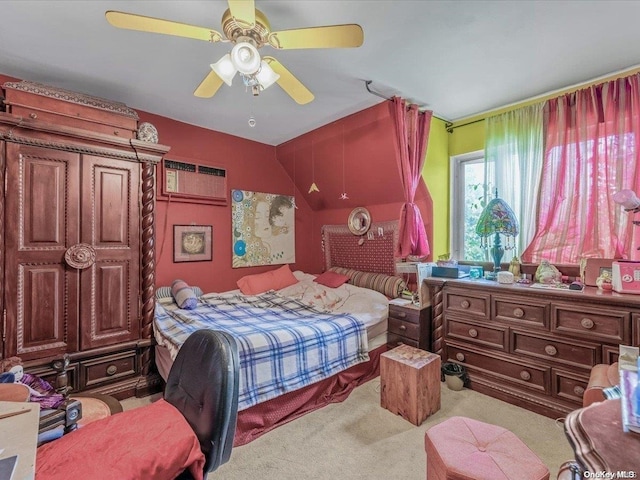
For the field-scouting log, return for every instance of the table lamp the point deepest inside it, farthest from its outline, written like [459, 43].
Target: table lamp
[497, 219]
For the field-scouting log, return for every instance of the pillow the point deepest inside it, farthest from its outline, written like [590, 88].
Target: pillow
[263, 282]
[331, 279]
[388, 285]
[165, 292]
[183, 295]
[154, 441]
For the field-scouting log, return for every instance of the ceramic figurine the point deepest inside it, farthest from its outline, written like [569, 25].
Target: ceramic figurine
[514, 267]
[604, 281]
[547, 273]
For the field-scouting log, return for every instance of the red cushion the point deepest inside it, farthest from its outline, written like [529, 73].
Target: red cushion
[263, 282]
[154, 441]
[331, 279]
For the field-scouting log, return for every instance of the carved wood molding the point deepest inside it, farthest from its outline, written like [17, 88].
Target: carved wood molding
[132, 156]
[2, 249]
[73, 97]
[147, 259]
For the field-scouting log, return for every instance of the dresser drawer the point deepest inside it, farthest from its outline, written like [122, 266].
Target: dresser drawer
[106, 369]
[404, 328]
[487, 335]
[520, 373]
[464, 302]
[406, 314]
[521, 311]
[568, 386]
[576, 353]
[604, 325]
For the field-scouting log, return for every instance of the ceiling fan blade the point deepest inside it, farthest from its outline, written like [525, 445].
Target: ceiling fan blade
[244, 11]
[333, 36]
[141, 23]
[209, 86]
[289, 83]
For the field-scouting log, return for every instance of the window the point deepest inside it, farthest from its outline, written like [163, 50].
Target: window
[467, 202]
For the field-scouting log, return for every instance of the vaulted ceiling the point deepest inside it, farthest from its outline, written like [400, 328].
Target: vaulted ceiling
[456, 57]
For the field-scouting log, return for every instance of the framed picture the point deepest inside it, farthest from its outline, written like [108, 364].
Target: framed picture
[192, 243]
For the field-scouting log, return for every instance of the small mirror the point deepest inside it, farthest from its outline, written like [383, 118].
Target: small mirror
[359, 221]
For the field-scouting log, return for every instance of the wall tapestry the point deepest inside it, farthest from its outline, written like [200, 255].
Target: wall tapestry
[262, 228]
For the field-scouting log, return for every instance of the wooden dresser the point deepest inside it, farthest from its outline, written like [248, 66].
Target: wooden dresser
[528, 346]
[77, 241]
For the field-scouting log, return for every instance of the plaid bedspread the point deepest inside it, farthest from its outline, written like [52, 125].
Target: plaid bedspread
[283, 344]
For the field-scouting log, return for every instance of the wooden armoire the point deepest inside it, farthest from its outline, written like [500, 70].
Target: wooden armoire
[77, 243]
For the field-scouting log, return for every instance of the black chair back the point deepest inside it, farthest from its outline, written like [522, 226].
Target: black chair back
[203, 385]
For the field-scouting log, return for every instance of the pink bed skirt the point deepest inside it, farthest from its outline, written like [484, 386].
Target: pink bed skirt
[259, 419]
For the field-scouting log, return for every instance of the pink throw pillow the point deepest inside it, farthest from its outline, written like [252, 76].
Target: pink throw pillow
[263, 282]
[331, 279]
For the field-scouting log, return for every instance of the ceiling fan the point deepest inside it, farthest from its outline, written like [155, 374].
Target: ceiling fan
[249, 30]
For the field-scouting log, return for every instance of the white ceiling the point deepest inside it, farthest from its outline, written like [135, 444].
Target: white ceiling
[457, 58]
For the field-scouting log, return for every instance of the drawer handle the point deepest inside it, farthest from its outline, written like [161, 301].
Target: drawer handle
[33, 115]
[578, 390]
[465, 304]
[518, 313]
[111, 370]
[402, 314]
[116, 132]
[524, 375]
[473, 332]
[402, 327]
[551, 350]
[587, 323]
[460, 357]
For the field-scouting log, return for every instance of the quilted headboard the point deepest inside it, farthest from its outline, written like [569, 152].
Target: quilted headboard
[372, 252]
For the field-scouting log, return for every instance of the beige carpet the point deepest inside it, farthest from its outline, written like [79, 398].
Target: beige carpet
[357, 439]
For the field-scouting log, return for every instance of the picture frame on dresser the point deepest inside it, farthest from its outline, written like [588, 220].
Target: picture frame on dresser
[192, 243]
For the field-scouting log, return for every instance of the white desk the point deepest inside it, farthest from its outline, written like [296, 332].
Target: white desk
[19, 436]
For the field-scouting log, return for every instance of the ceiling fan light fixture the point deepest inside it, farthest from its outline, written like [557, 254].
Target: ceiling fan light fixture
[245, 58]
[266, 76]
[225, 69]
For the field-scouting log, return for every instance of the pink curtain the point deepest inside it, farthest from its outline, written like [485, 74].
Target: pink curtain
[412, 133]
[591, 152]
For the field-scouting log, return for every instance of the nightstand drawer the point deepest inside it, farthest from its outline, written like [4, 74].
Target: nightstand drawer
[407, 314]
[579, 354]
[596, 323]
[524, 312]
[465, 303]
[404, 328]
[485, 335]
[393, 340]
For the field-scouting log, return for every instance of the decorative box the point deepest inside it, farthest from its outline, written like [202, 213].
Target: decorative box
[460, 271]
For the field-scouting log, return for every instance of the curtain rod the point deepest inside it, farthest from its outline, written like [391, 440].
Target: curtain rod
[447, 123]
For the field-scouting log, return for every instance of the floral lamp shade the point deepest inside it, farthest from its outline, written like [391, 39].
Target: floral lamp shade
[497, 219]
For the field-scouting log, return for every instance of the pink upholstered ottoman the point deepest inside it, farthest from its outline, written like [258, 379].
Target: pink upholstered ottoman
[465, 449]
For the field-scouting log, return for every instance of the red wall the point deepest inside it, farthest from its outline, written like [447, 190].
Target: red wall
[355, 154]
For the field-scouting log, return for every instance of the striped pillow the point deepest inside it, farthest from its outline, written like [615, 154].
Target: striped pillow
[183, 295]
[165, 292]
[388, 285]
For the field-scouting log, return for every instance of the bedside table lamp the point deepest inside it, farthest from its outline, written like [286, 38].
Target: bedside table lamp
[497, 219]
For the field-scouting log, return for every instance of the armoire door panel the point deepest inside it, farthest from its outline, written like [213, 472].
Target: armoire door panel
[112, 317]
[41, 211]
[110, 212]
[43, 318]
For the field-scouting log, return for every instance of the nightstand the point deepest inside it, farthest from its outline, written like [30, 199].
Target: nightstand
[409, 325]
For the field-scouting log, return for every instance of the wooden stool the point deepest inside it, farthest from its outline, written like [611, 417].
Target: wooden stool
[462, 448]
[410, 383]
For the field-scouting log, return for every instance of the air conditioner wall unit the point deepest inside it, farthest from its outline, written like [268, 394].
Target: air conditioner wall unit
[193, 183]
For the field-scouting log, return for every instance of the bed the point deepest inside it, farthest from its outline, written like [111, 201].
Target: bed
[301, 347]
